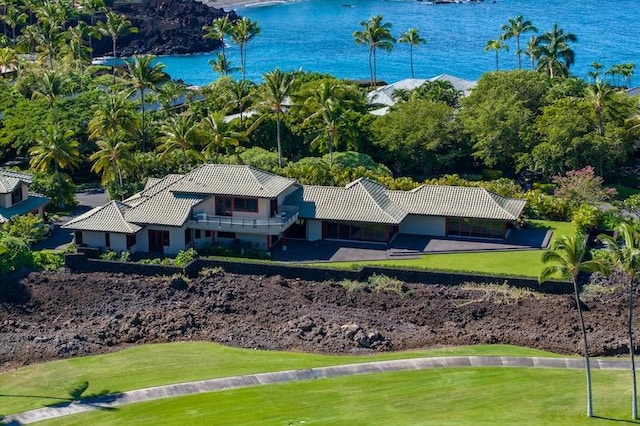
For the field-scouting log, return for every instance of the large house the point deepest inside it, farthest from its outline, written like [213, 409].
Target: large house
[219, 203]
[15, 198]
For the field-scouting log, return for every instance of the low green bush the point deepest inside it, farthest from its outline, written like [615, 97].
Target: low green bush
[185, 256]
[48, 260]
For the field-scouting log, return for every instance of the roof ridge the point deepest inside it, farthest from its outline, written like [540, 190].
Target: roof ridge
[366, 190]
[491, 195]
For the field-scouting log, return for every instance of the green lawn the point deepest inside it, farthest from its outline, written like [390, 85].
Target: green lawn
[478, 396]
[152, 365]
[526, 263]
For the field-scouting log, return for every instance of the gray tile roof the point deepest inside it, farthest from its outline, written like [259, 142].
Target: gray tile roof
[107, 218]
[164, 208]
[25, 206]
[231, 179]
[10, 180]
[153, 186]
[457, 201]
[359, 201]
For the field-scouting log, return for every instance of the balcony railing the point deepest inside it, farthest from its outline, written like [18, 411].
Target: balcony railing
[279, 221]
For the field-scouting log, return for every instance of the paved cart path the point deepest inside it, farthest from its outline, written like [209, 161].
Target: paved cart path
[235, 382]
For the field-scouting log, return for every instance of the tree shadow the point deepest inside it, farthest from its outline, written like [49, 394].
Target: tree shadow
[611, 419]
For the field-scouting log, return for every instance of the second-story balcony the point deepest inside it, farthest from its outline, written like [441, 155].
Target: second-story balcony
[266, 226]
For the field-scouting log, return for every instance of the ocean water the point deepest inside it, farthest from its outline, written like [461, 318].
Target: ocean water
[317, 35]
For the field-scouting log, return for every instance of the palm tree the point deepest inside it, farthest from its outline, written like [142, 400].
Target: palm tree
[143, 75]
[275, 90]
[221, 64]
[219, 135]
[113, 156]
[114, 113]
[49, 31]
[48, 85]
[566, 258]
[115, 27]
[413, 39]
[555, 57]
[8, 59]
[239, 96]
[627, 259]
[169, 93]
[599, 96]
[376, 35]
[515, 28]
[92, 7]
[243, 32]
[219, 29]
[496, 45]
[594, 74]
[326, 106]
[181, 133]
[76, 45]
[14, 17]
[54, 147]
[533, 50]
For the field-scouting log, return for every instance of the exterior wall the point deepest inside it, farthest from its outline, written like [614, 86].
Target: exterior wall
[176, 239]
[5, 200]
[285, 194]
[93, 239]
[314, 230]
[424, 225]
[118, 242]
[208, 206]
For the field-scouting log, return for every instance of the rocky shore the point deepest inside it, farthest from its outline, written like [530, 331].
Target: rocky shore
[166, 27]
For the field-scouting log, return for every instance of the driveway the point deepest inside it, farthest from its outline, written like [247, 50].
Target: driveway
[60, 238]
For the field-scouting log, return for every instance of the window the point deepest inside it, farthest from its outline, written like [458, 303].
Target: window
[187, 236]
[226, 234]
[107, 239]
[225, 206]
[78, 238]
[131, 240]
[198, 234]
[475, 227]
[207, 234]
[16, 195]
[356, 231]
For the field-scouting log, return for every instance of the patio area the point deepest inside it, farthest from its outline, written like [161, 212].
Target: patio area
[406, 246]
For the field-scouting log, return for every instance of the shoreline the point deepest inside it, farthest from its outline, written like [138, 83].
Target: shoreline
[229, 5]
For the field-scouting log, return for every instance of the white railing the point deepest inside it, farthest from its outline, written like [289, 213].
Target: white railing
[282, 220]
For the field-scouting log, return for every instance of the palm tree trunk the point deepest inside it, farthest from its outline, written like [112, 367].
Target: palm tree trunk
[497, 69]
[518, 51]
[585, 343]
[371, 66]
[113, 39]
[375, 71]
[278, 138]
[330, 149]
[142, 128]
[634, 388]
[411, 58]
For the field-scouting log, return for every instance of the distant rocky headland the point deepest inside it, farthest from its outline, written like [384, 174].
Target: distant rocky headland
[166, 27]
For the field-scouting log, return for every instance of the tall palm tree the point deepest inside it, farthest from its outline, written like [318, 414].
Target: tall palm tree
[113, 156]
[599, 95]
[413, 39]
[180, 133]
[533, 50]
[92, 7]
[219, 135]
[219, 29]
[76, 46]
[514, 29]
[49, 32]
[169, 93]
[243, 32]
[143, 75]
[8, 59]
[596, 69]
[275, 90]
[376, 35]
[496, 45]
[567, 258]
[555, 57]
[14, 17]
[114, 113]
[116, 26]
[627, 259]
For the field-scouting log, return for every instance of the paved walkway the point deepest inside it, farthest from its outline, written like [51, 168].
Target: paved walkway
[213, 385]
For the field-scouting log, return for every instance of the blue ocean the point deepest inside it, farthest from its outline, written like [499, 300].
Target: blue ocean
[317, 35]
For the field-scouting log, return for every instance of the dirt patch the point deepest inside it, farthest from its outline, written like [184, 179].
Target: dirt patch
[52, 315]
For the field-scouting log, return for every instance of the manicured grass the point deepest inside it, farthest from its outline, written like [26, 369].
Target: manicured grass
[525, 263]
[479, 396]
[152, 365]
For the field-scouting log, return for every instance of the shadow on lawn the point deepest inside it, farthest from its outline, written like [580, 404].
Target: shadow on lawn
[611, 419]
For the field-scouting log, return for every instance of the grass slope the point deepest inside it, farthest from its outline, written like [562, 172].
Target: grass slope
[526, 263]
[479, 396]
[153, 365]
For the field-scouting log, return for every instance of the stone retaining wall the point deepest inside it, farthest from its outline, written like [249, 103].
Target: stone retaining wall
[81, 263]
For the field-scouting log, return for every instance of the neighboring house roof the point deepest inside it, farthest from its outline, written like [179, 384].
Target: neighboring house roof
[34, 201]
[107, 218]
[457, 201]
[385, 95]
[634, 91]
[232, 179]
[11, 180]
[359, 201]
